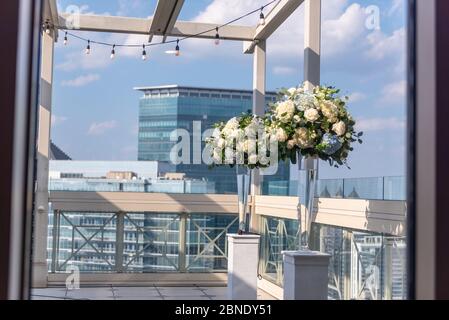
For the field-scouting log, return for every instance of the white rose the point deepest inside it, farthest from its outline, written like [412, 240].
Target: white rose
[303, 139]
[217, 156]
[292, 91]
[285, 111]
[330, 111]
[216, 133]
[297, 118]
[280, 134]
[291, 144]
[232, 124]
[252, 159]
[221, 143]
[339, 128]
[312, 115]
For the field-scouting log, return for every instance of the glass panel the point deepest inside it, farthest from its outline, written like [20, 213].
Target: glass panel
[151, 242]
[277, 235]
[379, 188]
[364, 265]
[83, 241]
[206, 247]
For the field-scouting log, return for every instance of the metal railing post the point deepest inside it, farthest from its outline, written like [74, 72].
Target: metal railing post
[182, 242]
[120, 235]
[55, 235]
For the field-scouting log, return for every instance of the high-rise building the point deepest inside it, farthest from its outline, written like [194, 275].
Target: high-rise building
[166, 108]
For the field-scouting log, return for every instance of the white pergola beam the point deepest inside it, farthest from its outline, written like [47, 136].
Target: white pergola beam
[50, 14]
[273, 20]
[312, 43]
[165, 17]
[181, 29]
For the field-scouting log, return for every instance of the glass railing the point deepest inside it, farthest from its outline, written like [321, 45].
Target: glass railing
[138, 242]
[379, 188]
[364, 265]
[149, 186]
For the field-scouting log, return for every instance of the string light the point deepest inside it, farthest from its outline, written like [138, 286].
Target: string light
[262, 17]
[144, 53]
[217, 38]
[88, 47]
[47, 27]
[113, 52]
[177, 50]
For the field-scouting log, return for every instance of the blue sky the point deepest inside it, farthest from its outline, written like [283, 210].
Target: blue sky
[95, 110]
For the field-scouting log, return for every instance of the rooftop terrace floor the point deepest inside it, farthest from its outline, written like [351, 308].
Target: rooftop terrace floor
[137, 293]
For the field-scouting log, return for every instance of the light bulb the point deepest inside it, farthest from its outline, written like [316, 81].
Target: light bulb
[217, 38]
[262, 19]
[177, 50]
[144, 54]
[113, 52]
[47, 27]
[88, 47]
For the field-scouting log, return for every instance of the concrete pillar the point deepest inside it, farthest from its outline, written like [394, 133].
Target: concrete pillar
[39, 276]
[243, 259]
[306, 275]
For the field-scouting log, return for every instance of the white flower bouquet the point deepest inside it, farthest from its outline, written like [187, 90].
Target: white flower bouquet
[316, 123]
[240, 141]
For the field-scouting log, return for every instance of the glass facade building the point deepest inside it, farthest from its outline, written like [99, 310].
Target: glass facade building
[164, 109]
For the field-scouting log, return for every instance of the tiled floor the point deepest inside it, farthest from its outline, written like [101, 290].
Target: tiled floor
[137, 293]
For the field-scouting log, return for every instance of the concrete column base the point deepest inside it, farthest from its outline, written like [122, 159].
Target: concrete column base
[39, 275]
[306, 275]
[243, 259]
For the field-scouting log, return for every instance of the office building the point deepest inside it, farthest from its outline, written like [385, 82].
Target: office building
[166, 108]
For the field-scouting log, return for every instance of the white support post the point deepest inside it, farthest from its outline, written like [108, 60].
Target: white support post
[312, 43]
[39, 279]
[259, 104]
[305, 271]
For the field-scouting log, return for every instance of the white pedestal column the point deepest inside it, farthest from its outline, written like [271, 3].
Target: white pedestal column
[305, 275]
[243, 258]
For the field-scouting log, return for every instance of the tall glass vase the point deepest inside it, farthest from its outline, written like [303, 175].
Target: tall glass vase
[243, 185]
[309, 166]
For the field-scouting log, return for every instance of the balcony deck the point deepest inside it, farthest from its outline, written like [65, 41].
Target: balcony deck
[137, 293]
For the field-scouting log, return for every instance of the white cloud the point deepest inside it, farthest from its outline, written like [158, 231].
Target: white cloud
[81, 80]
[99, 128]
[397, 6]
[283, 70]
[57, 120]
[357, 97]
[394, 92]
[341, 33]
[380, 124]
[383, 45]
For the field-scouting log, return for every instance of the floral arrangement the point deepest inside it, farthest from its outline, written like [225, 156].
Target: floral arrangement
[315, 123]
[239, 141]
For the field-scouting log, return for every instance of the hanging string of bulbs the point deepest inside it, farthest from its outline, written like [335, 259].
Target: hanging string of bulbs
[176, 52]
